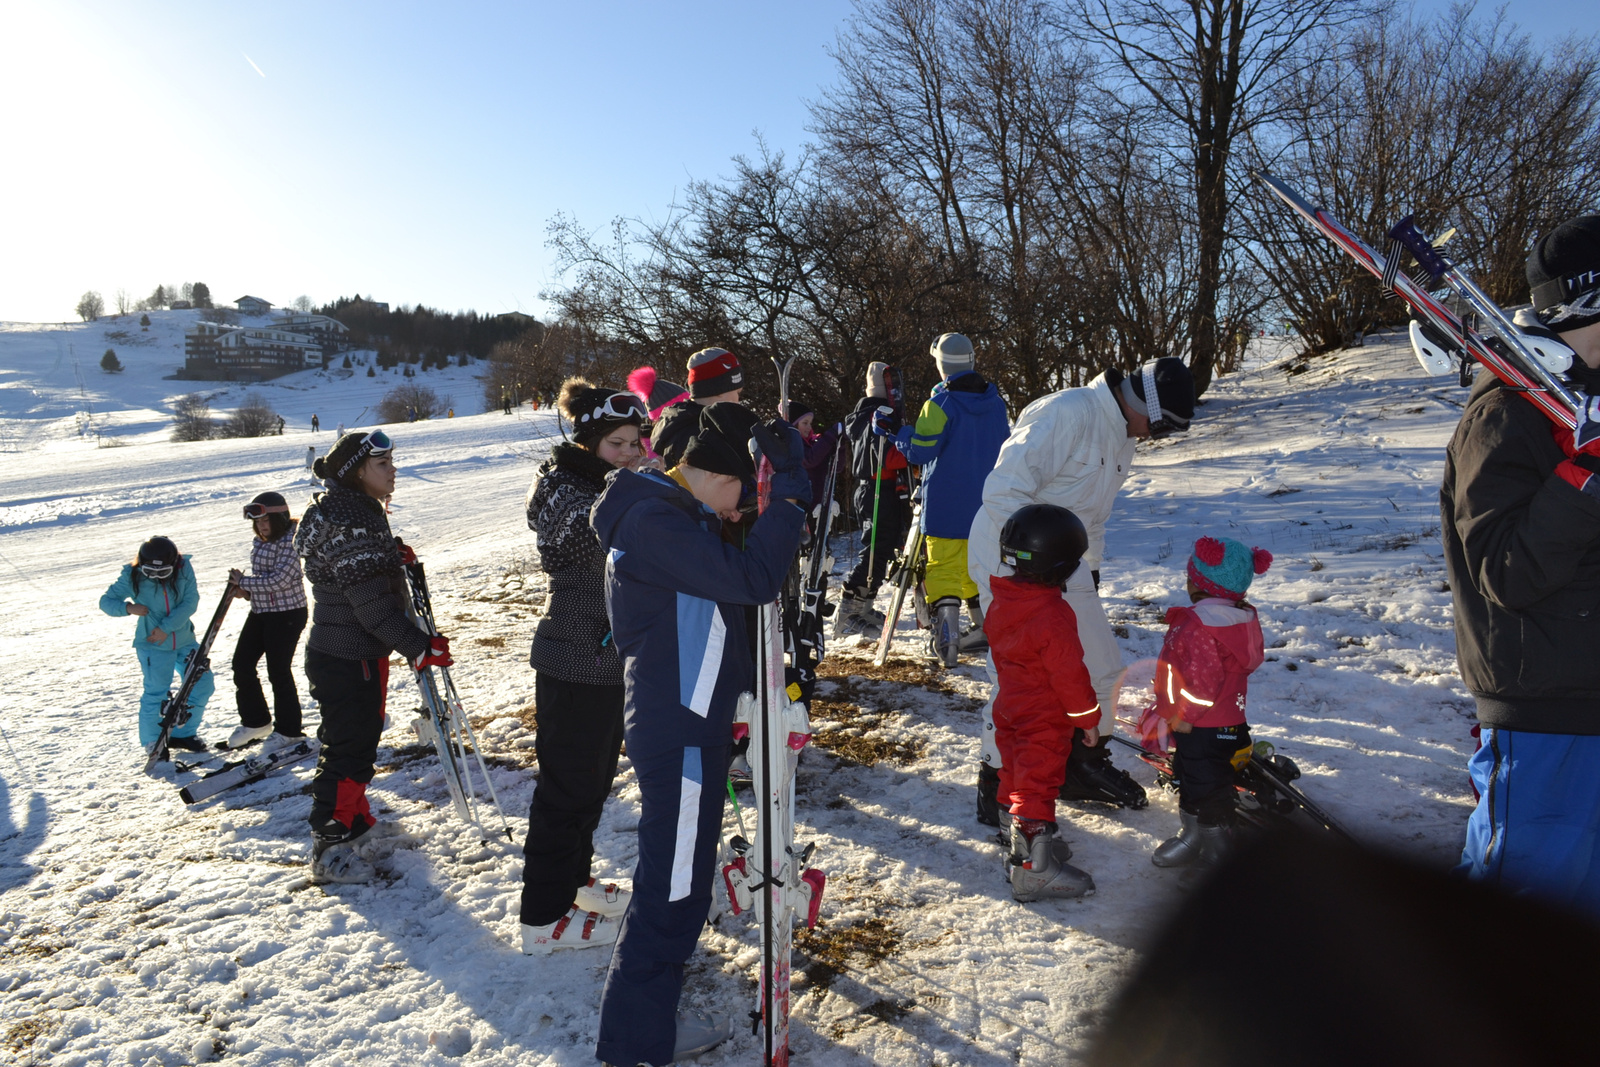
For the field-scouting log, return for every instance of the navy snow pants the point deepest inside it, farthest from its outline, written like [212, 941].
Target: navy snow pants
[681, 797]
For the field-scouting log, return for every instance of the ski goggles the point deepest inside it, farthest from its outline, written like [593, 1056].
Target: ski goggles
[255, 511]
[376, 443]
[618, 407]
[156, 570]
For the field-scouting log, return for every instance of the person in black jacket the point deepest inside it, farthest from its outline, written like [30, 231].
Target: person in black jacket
[358, 589]
[1521, 520]
[715, 377]
[883, 484]
[578, 687]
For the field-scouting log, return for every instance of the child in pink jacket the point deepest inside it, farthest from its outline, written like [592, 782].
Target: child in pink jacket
[1201, 681]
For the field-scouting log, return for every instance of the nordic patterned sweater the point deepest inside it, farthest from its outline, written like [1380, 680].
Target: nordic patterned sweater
[274, 582]
[573, 640]
[357, 585]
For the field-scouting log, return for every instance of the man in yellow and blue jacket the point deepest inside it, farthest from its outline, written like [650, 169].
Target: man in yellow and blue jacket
[955, 440]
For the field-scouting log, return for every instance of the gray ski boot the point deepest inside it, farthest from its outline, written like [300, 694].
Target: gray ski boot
[1216, 844]
[974, 640]
[1036, 871]
[1183, 850]
[946, 638]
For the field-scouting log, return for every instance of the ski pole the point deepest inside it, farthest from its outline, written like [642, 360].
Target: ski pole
[877, 491]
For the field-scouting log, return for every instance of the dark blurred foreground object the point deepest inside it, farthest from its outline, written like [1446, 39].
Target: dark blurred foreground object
[1306, 951]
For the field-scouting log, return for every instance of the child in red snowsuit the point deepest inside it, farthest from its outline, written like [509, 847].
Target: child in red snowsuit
[1201, 682]
[1045, 693]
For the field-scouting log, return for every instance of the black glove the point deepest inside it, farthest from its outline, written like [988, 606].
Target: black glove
[780, 444]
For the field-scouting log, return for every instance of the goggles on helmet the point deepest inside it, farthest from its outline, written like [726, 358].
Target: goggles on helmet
[376, 443]
[254, 511]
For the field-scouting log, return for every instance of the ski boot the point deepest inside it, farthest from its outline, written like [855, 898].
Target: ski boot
[857, 615]
[1216, 844]
[244, 735]
[576, 929]
[1092, 776]
[945, 639]
[974, 639]
[1183, 850]
[988, 796]
[337, 862]
[606, 898]
[1034, 865]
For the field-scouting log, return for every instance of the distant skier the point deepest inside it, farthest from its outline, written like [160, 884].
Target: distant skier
[338, 434]
[314, 426]
[882, 496]
[1202, 679]
[955, 440]
[1521, 511]
[1044, 693]
[354, 565]
[280, 425]
[311, 455]
[676, 593]
[1074, 449]
[277, 596]
[159, 587]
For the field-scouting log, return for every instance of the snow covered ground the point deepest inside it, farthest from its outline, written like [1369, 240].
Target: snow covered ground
[135, 930]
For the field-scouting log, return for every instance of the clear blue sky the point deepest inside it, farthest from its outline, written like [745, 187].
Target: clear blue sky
[412, 152]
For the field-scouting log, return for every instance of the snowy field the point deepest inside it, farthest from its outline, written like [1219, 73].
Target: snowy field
[134, 930]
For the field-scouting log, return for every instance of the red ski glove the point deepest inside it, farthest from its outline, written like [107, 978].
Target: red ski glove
[438, 654]
[407, 556]
[1582, 447]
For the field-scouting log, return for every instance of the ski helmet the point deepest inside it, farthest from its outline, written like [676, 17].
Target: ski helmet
[158, 557]
[1043, 543]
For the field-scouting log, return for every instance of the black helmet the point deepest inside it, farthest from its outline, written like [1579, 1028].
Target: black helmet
[1043, 543]
[158, 557]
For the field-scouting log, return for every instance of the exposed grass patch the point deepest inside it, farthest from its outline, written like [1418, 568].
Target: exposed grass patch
[35, 947]
[854, 739]
[898, 669]
[20, 1035]
[490, 642]
[831, 951]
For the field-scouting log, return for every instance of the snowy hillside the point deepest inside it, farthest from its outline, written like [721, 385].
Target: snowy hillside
[135, 930]
[53, 393]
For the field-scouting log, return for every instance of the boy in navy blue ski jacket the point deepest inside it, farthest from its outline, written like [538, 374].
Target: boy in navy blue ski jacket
[676, 594]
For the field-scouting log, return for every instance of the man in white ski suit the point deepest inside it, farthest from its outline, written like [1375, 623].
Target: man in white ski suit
[1075, 449]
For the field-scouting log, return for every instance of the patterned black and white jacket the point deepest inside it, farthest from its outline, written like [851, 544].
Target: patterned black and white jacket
[573, 640]
[358, 588]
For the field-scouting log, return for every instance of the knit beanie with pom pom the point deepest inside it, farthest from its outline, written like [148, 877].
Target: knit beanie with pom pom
[1225, 568]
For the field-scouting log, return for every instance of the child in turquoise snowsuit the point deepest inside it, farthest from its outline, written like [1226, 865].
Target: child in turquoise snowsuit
[163, 639]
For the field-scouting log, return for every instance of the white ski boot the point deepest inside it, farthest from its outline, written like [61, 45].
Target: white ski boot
[243, 735]
[1183, 850]
[576, 929]
[606, 898]
[1036, 873]
[336, 862]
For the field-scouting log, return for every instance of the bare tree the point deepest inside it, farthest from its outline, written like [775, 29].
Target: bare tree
[191, 418]
[302, 303]
[124, 302]
[1210, 71]
[408, 402]
[90, 306]
[253, 417]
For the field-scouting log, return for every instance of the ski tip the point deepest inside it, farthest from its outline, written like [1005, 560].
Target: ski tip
[185, 795]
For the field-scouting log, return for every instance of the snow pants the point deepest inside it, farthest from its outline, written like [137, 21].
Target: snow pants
[880, 542]
[681, 796]
[947, 570]
[1033, 750]
[1536, 828]
[578, 742]
[351, 693]
[1204, 769]
[273, 634]
[1100, 654]
[160, 666]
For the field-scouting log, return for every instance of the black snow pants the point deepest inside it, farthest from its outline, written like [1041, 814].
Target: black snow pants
[578, 743]
[1204, 766]
[273, 634]
[351, 694]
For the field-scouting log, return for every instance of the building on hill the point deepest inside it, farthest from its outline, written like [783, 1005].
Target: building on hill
[181, 305]
[253, 305]
[230, 353]
[333, 334]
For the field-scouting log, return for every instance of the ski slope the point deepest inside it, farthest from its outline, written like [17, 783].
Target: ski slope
[135, 930]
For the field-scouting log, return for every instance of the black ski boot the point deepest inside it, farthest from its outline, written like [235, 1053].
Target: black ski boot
[1092, 776]
[988, 795]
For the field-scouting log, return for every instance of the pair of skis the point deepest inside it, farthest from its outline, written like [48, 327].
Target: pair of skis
[252, 768]
[175, 709]
[906, 571]
[770, 874]
[442, 721]
[1529, 364]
